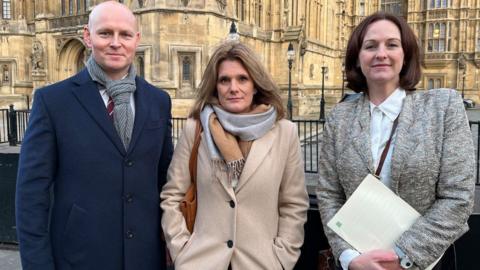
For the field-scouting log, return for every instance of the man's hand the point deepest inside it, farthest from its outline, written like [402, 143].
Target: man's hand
[376, 260]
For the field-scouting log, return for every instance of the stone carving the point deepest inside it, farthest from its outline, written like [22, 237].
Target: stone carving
[221, 5]
[59, 43]
[185, 2]
[37, 56]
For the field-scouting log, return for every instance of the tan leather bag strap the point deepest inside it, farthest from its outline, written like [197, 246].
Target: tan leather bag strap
[192, 165]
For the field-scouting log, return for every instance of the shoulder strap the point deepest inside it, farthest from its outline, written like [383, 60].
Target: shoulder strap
[385, 150]
[192, 165]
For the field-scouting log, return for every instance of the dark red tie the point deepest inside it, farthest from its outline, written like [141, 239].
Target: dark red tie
[110, 106]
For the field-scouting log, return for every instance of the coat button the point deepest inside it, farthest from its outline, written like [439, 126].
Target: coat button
[130, 234]
[129, 163]
[232, 204]
[129, 198]
[229, 243]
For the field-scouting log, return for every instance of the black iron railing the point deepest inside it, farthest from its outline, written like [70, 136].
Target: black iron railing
[3, 125]
[14, 122]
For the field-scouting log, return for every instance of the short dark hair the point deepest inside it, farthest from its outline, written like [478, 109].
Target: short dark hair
[411, 70]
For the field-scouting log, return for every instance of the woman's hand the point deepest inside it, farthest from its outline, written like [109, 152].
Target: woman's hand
[376, 260]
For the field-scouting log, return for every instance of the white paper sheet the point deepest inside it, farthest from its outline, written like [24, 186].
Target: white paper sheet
[373, 217]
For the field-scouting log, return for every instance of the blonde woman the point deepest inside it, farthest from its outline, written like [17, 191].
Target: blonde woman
[252, 199]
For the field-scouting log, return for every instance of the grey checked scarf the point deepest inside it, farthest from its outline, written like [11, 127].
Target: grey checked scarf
[120, 91]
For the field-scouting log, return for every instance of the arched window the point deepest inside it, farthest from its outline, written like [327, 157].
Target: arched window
[439, 4]
[258, 13]
[393, 6]
[186, 72]
[430, 84]
[435, 83]
[361, 10]
[6, 9]
[478, 39]
[63, 7]
[5, 74]
[186, 66]
[140, 65]
[438, 38]
[240, 9]
[70, 7]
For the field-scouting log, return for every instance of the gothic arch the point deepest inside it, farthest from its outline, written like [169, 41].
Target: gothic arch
[71, 58]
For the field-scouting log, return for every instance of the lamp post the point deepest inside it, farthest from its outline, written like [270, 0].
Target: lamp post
[463, 84]
[290, 57]
[233, 34]
[343, 80]
[322, 100]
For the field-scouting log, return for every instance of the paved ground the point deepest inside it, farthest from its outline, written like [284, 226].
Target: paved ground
[9, 259]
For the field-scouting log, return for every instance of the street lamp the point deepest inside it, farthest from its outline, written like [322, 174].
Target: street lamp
[322, 100]
[463, 84]
[233, 34]
[290, 57]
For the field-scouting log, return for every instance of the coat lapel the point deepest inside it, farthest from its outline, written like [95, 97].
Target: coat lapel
[406, 138]
[141, 112]
[86, 91]
[361, 133]
[258, 152]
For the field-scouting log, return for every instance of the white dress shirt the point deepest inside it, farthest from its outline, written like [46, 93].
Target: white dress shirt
[381, 123]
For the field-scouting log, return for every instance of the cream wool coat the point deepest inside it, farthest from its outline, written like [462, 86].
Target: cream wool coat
[258, 226]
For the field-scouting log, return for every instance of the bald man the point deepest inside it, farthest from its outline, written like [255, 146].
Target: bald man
[94, 158]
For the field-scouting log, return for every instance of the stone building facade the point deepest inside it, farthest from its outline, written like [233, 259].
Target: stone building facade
[41, 43]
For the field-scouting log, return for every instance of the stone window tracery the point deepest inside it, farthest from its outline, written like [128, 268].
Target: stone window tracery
[6, 9]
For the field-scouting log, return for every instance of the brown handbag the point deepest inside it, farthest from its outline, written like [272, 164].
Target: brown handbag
[188, 206]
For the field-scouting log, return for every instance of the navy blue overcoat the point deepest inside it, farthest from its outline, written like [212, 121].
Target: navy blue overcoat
[82, 200]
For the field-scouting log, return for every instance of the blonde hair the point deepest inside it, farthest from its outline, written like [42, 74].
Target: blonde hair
[267, 91]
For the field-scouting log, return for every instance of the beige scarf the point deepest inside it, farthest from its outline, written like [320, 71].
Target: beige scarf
[233, 150]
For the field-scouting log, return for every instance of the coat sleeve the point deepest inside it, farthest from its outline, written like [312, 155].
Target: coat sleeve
[178, 181]
[293, 204]
[446, 219]
[36, 171]
[330, 193]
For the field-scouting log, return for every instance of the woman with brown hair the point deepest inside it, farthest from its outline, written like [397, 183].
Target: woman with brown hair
[252, 199]
[418, 144]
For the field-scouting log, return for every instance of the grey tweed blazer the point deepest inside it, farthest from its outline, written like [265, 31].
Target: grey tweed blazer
[432, 168]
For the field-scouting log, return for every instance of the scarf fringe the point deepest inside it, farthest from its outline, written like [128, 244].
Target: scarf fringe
[233, 169]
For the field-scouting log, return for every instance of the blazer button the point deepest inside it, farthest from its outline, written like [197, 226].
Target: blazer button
[129, 198]
[130, 234]
[232, 204]
[229, 243]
